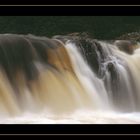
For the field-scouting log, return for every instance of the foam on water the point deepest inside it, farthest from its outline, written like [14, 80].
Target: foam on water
[79, 117]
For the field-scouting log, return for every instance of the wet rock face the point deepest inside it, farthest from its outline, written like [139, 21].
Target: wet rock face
[89, 48]
[85, 45]
[126, 46]
[91, 55]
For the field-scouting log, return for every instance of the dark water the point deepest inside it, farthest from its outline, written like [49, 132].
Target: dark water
[100, 27]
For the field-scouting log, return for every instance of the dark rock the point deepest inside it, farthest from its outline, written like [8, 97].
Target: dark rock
[126, 46]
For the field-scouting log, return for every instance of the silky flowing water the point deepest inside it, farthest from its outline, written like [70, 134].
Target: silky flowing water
[68, 80]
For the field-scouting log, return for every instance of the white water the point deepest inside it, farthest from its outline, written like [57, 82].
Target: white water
[94, 86]
[128, 71]
[79, 117]
[101, 111]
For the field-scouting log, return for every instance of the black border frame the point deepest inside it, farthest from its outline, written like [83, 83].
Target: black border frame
[70, 10]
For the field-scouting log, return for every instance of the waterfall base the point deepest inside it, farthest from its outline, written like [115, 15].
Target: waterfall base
[79, 117]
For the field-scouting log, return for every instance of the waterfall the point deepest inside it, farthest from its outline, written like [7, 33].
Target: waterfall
[67, 74]
[92, 84]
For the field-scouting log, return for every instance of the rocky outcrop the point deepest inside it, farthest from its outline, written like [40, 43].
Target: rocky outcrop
[126, 46]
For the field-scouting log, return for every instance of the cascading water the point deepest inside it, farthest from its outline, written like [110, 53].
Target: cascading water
[93, 85]
[118, 73]
[68, 79]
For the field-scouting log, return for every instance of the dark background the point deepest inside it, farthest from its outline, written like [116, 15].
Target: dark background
[100, 27]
